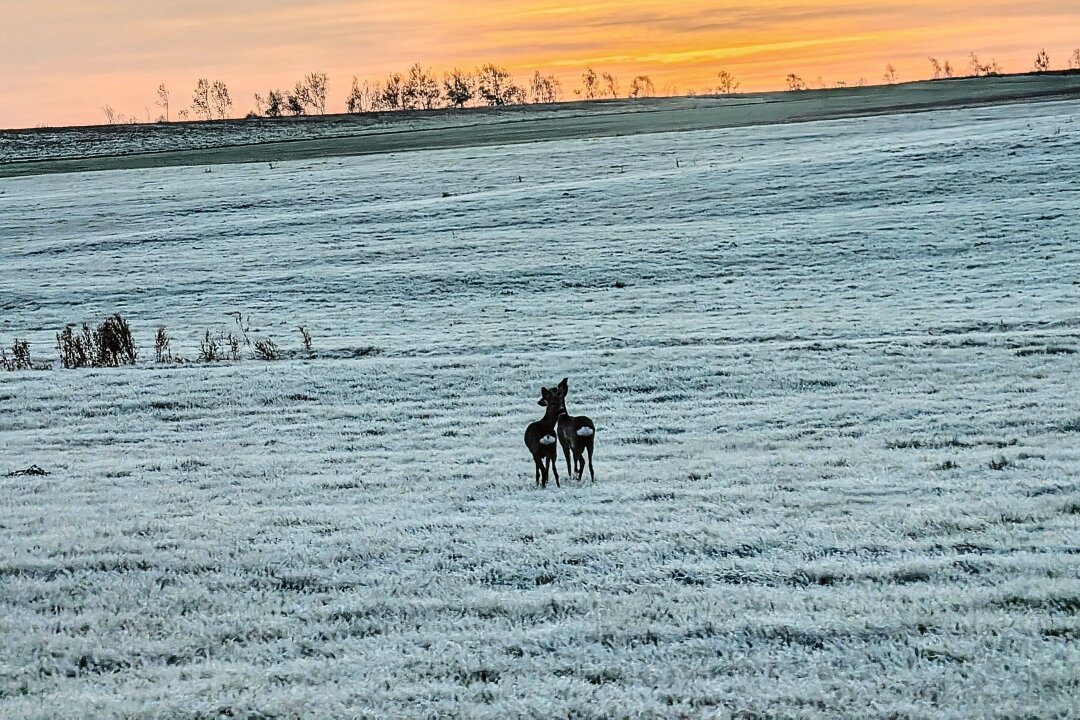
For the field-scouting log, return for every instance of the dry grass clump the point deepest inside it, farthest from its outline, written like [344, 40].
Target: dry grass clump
[162, 346]
[210, 349]
[110, 344]
[219, 347]
[19, 358]
[266, 350]
[116, 347]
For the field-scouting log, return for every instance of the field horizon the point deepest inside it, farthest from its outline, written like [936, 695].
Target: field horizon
[36, 151]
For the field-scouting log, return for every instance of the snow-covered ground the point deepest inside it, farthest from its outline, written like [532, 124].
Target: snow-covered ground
[127, 147]
[803, 347]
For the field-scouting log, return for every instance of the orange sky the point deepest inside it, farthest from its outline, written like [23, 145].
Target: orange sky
[61, 60]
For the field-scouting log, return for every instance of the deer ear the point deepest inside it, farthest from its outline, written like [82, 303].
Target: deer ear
[564, 386]
[542, 403]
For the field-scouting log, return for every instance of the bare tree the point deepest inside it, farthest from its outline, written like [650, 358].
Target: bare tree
[1074, 60]
[890, 74]
[947, 68]
[221, 102]
[611, 85]
[1042, 61]
[641, 87]
[296, 103]
[360, 97]
[163, 100]
[315, 85]
[459, 88]
[302, 94]
[390, 95]
[110, 114]
[495, 86]
[978, 69]
[726, 84]
[273, 105]
[200, 100]
[795, 83]
[935, 66]
[421, 89]
[590, 85]
[544, 88]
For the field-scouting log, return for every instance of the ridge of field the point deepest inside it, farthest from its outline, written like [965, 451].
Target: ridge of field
[65, 150]
[806, 348]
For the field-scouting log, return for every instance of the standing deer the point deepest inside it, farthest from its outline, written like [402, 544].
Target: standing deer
[540, 437]
[576, 434]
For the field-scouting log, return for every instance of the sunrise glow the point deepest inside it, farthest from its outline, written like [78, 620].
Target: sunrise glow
[62, 60]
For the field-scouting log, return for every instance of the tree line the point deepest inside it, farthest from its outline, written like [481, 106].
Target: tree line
[942, 70]
[490, 85]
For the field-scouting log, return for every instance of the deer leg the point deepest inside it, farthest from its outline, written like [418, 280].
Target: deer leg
[588, 448]
[566, 454]
[537, 464]
[553, 463]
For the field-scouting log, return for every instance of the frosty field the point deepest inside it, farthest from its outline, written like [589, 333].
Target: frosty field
[803, 346]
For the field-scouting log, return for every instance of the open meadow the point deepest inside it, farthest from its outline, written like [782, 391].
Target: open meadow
[833, 367]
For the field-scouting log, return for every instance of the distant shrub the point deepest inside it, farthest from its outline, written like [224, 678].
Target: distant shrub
[1042, 61]
[76, 350]
[306, 338]
[110, 344]
[19, 358]
[115, 344]
[162, 346]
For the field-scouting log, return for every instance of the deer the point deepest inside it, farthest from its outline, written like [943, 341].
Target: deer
[576, 435]
[541, 438]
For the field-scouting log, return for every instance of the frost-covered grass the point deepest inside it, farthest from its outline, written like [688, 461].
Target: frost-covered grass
[803, 348]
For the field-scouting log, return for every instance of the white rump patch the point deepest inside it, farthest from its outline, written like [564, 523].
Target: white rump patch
[585, 432]
[547, 440]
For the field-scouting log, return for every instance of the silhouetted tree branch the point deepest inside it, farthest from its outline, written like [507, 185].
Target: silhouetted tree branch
[642, 87]
[1042, 61]
[544, 88]
[163, 100]
[459, 88]
[495, 86]
[726, 84]
[200, 100]
[590, 84]
[421, 90]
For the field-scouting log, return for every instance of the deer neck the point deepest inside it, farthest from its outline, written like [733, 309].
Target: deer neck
[551, 417]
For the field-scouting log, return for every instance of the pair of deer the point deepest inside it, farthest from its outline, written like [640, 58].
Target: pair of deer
[575, 434]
